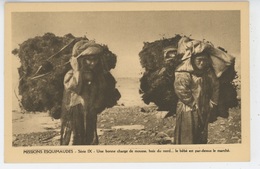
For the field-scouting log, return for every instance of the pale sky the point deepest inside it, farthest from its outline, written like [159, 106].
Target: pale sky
[124, 32]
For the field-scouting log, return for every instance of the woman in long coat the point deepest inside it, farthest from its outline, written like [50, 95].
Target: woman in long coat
[83, 96]
[197, 88]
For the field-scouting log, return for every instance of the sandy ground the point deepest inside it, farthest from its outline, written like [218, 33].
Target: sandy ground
[41, 121]
[33, 122]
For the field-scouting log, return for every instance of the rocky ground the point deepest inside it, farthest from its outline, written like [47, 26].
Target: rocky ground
[126, 125]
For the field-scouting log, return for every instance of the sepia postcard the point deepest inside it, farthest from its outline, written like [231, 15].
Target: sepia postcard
[127, 82]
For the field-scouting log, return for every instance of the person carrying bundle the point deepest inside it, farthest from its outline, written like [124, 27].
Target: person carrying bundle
[197, 88]
[84, 95]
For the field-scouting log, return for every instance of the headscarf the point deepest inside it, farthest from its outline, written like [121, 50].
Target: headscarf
[86, 48]
[220, 60]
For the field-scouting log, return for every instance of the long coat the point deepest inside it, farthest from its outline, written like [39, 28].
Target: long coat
[195, 92]
[82, 101]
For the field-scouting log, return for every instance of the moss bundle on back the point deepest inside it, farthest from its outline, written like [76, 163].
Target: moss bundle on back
[157, 82]
[43, 66]
[156, 85]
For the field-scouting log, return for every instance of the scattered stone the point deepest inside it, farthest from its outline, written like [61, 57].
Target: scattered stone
[142, 132]
[223, 141]
[153, 134]
[222, 122]
[222, 129]
[212, 124]
[164, 140]
[234, 138]
[102, 121]
[108, 130]
[100, 132]
[170, 132]
[161, 114]
[161, 135]
[114, 136]
[168, 140]
[145, 121]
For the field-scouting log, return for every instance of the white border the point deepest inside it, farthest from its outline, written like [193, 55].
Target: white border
[254, 120]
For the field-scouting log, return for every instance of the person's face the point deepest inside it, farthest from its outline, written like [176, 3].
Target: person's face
[172, 59]
[90, 62]
[170, 55]
[201, 62]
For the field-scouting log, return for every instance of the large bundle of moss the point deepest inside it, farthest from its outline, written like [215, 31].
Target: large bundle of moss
[157, 81]
[44, 62]
[156, 84]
